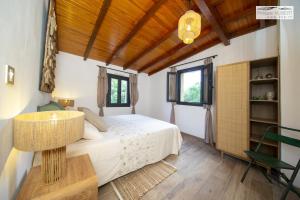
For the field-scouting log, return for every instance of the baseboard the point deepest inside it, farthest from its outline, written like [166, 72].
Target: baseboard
[191, 135]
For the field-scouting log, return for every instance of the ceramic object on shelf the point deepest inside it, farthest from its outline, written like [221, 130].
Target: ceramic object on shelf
[270, 96]
[258, 77]
[269, 75]
[259, 98]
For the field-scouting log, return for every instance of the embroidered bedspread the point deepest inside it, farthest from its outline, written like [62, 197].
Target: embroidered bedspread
[131, 142]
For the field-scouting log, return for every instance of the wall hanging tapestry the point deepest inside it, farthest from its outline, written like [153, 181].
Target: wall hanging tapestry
[47, 80]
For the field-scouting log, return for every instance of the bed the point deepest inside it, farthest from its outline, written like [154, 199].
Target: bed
[131, 142]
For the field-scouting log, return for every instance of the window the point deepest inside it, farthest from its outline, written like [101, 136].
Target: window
[118, 91]
[194, 85]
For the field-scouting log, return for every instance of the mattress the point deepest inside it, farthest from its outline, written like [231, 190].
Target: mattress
[131, 142]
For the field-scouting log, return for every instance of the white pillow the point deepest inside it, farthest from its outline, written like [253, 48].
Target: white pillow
[91, 132]
[94, 119]
[71, 108]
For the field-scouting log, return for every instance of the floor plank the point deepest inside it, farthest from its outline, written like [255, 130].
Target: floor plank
[202, 174]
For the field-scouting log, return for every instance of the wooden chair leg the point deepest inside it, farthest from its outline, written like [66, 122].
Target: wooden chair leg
[290, 183]
[293, 189]
[266, 175]
[246, 172]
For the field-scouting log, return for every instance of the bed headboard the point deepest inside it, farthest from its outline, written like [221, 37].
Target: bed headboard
[50, 106]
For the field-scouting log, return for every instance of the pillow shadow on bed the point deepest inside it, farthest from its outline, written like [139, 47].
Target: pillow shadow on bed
[94, 119]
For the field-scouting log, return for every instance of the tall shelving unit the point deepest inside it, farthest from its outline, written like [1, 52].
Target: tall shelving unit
[242, 108]
[264, 112]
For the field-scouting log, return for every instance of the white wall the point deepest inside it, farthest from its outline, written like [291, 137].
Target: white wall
[76, 78]
[290, 72]
[20, 46]
[190, 119]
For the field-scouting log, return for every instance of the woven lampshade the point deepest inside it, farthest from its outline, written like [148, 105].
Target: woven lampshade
[189, 26]
[49, 132]
[40, 131]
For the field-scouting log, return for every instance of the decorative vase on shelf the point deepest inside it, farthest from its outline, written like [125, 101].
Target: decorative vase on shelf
[259, 75]
[268, 76]
[270, 96]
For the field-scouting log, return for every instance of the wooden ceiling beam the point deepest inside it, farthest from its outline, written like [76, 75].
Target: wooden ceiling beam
[212, 43]
[157, 43]
[252, 28]
[262, 22]
[186, 55]
[150, 48]
[212, 20]
[171, 52]
[162, 57]
[217, 3]
[135, 29]
[239, 15]
[243, 31]
[100, 18]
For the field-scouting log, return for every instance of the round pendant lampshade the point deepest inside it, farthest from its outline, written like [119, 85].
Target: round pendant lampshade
[41, 131]
[189, 26]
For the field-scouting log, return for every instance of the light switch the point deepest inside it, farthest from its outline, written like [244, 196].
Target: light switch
[9, 75]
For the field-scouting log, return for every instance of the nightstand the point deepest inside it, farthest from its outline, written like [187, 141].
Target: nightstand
[80, 182]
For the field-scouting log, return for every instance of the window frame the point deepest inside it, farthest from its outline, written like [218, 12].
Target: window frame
[210, 76]
[108, 96]
[179, 72]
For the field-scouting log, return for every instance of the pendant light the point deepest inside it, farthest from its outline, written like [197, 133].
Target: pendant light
[189, 26]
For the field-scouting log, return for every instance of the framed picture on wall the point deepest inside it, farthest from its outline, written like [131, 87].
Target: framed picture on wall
[171, 86]
[9, 75]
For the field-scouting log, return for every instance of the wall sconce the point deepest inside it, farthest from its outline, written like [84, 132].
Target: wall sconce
[66, 102]
[9, 75]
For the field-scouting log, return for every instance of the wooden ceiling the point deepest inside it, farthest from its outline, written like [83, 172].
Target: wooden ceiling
[142, 34]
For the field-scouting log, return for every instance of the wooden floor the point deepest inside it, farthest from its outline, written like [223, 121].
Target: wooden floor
[202, 174]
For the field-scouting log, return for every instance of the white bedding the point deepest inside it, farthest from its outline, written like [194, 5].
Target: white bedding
[131, 142]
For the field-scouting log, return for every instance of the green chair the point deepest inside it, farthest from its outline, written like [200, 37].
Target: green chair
[273, 162]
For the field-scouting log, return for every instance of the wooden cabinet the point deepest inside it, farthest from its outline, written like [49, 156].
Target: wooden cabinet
[80, 182]
[232, 107]
[247, 103]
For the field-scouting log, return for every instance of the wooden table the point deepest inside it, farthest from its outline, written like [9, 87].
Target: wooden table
[80, 182]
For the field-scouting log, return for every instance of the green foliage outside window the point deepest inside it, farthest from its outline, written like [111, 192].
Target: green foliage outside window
[123, 91]
[118, 91]
[192, 94]
[114, 90]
